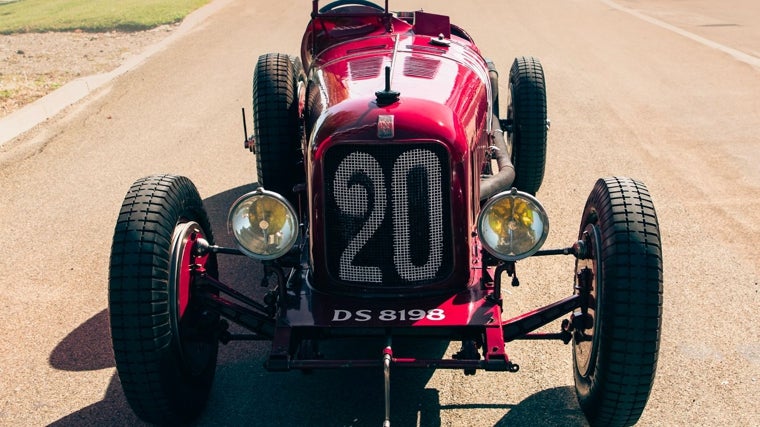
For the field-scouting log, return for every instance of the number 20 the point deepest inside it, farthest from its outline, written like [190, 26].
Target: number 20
[354, 200]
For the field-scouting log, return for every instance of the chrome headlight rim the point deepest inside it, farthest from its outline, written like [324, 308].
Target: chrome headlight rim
[291, 212]
[539, 209]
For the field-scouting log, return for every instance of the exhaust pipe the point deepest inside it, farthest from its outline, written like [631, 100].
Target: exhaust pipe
[503, 179]
[493, 77]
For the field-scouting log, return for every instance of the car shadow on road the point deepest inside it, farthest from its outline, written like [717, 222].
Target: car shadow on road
[244, 393]
[552, 407]
[86, 348]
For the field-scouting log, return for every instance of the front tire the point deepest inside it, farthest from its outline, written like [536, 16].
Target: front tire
[615, 353]
[165, 344]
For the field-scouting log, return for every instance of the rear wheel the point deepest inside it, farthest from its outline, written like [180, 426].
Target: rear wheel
[615, 346]
[278, 93]
[526, 113]
[165, 343]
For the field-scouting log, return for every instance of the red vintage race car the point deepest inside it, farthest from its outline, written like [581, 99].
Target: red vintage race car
[394, 201]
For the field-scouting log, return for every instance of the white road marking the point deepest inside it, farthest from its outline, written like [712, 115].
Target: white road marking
[737, 54]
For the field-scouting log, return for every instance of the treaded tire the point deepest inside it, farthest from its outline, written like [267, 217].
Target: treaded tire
[526, 111]
[614, 368]
[165, 372]
[278, 129]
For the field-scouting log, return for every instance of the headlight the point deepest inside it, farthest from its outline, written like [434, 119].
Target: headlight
[264, 224]
[513, 225]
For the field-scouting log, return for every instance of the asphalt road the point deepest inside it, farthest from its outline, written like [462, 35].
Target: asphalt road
[661, 90]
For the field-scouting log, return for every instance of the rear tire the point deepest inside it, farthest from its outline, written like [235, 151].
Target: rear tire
[278, 91]
[615, 357]
[526, 112]
[165, 344]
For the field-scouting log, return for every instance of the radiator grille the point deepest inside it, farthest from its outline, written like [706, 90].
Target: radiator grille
[387, 214]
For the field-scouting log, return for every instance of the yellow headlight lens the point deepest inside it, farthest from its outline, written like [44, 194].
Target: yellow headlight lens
[264, 224]
[513, 225]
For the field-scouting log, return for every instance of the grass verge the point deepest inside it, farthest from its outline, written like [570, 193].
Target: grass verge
[38, 16]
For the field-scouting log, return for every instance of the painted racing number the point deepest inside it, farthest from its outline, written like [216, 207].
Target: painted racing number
[361, 193]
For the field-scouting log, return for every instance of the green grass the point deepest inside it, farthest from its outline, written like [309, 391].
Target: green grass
[27, 16]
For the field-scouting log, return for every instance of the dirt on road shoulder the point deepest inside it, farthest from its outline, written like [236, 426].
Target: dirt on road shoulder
[35, 64]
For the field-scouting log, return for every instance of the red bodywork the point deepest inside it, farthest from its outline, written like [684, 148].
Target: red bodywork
[444, 99]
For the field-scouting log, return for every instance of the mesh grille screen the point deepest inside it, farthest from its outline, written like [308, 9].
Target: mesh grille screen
[387, 214]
